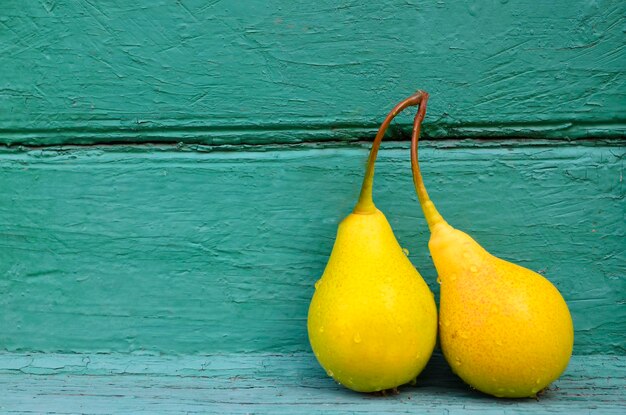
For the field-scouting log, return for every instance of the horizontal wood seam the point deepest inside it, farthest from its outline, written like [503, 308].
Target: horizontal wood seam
[310, 132]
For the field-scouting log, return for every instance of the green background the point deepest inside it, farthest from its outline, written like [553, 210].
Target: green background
[172, 174]
[262, 71]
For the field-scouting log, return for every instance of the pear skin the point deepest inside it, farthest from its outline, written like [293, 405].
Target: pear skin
[372, 321]
[504, 329]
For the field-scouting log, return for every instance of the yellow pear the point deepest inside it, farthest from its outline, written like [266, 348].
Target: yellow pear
[372, 321]
[504, 329]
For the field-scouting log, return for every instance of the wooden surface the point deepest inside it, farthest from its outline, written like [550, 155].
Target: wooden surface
[275, 384]
[188, 162]
[289, 71]
[183, 249]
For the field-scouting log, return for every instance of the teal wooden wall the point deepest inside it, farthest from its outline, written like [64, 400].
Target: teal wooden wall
[262, 71]
[170, 249]
[172, 174]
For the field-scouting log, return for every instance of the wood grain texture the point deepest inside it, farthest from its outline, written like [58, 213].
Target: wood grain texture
[184, 249]
[292, 71]
[275, 384]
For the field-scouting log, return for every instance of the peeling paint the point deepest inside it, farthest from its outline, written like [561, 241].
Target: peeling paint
[263, 72]
[275, 384]
[175, 249]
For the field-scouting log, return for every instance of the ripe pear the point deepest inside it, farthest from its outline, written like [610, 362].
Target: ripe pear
[504, 329]
[372, 321]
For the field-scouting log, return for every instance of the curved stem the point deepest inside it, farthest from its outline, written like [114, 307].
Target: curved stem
[430, 212]
[366, 203]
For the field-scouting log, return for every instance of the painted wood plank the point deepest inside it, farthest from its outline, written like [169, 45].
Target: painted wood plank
[292, 71]
[275, 384]
[191, 250]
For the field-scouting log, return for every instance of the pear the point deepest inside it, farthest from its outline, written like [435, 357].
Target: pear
[372, 321]
[504, 329]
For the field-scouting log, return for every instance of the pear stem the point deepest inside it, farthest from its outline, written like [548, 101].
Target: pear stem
[430, 212]
[365, 204]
